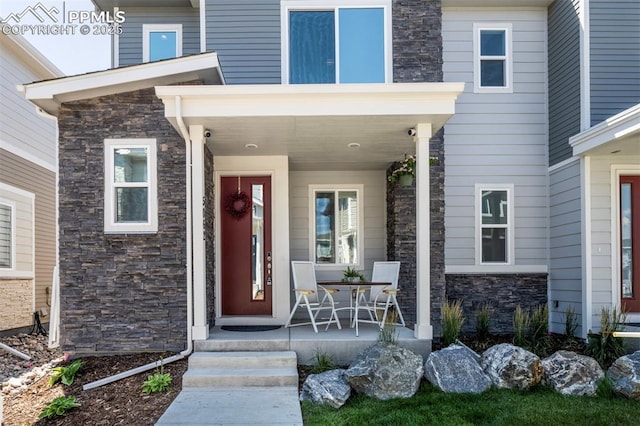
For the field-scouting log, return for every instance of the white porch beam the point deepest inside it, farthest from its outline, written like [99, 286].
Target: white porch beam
[423, 328]
[200, 324]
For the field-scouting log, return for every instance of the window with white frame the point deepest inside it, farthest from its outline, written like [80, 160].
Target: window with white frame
[7, 235]
[161, 41]
[131, 204]
[494, 224]
[336, 41]
[492, 58]
[336, 229]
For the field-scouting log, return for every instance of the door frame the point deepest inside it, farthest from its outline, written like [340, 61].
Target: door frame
[277, 167]
[618, 170]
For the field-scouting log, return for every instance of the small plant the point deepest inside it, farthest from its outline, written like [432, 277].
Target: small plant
[157, 382]
[322, 362]
[538, 336]
[452, 320]
[570, 322]
[483, 320]
[521, 323]
[65, 374]
[387, 333]
[603, 346]
[59, 407]
[351, 275]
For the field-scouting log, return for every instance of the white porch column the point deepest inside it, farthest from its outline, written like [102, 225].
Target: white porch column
[200, 325]
[423, 328]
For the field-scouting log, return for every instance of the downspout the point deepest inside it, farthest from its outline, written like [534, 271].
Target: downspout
[185, 134]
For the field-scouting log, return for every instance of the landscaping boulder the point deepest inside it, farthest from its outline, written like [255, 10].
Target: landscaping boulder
[386, 371]
[572, 374]
[456, 370]
[511, 367]
[328, 388]
[624, 374]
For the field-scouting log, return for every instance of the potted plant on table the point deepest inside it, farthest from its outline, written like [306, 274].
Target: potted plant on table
[352, 276]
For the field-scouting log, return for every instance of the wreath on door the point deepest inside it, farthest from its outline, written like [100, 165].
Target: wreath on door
[238, 204]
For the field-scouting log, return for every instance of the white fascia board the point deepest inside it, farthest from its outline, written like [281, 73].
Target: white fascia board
[50, 94]
[496, 3]
[35, 60]
[620, 125]
[312, 100]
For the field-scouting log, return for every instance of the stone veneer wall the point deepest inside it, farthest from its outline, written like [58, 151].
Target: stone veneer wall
[209, 231]
[501, 292]
[16, 303]
[417, 57]
[119, 293]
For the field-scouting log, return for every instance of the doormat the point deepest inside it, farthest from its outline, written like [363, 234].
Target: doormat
[250, 327]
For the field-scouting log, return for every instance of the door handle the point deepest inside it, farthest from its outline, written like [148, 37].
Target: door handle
[269, 280]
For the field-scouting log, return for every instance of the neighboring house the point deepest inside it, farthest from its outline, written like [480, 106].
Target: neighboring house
[594, 159]
[302, 107]
[27, 188]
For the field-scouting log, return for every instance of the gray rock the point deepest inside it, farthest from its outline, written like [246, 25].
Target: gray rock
[572, 374]
[386, 371]
[624, 374]
[456, 370]
[511, 367]
[328, 388]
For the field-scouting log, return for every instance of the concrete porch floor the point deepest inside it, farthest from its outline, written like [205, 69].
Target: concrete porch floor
[342, 345]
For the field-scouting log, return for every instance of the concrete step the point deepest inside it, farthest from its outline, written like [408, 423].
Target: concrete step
[239, 377]
[239, 344]
[243, 359]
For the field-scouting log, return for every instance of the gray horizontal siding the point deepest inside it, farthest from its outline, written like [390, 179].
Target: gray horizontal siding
[564, 78]
[565, 260]
[615, 57]
[246, 36]
[130, 41]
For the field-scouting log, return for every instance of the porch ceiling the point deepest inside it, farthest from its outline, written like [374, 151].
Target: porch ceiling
[313, 124]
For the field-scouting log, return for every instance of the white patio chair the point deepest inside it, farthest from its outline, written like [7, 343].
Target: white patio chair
[382, 298]
[307, 296]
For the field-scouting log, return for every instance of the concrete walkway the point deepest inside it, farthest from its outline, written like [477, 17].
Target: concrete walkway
[274, 405]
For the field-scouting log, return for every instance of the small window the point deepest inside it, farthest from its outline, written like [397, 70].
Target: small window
[7, 237]
[161, 42]
[130, 186]
[336, 225]
[329, 43]
[492, 57]
[494, 225]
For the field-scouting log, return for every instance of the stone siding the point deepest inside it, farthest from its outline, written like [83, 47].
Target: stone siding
[209, 235]
[120, 293]
[501, 292]
[417, 57]
[16, 303]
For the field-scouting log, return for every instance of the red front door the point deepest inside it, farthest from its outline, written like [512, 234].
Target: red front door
[630, 242]
[245, 218]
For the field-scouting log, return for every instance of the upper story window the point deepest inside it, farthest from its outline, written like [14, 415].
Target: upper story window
[7, 235]
[336, 225]
[131, 204]
[492, 58]
[336, 42]
[494, 224]
[161, 41]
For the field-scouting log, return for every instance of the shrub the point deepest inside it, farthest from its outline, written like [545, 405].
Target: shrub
[538, 336]
[322, 362]
[570, 322]
[483, 320]
[603, 346]
[452, 320]
[387, 333]
[157, 382]
[59, 407]
[65, 374]
[521, 323]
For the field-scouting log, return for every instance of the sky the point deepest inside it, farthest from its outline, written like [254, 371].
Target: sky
[73, 53]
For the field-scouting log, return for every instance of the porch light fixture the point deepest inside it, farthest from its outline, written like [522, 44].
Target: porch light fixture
[251, 146]
[353, 145]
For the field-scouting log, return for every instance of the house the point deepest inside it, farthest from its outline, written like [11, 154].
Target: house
[27, 189]
[303, 108]
[594, 159]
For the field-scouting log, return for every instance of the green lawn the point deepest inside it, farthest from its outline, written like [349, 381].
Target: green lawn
[495, 407]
